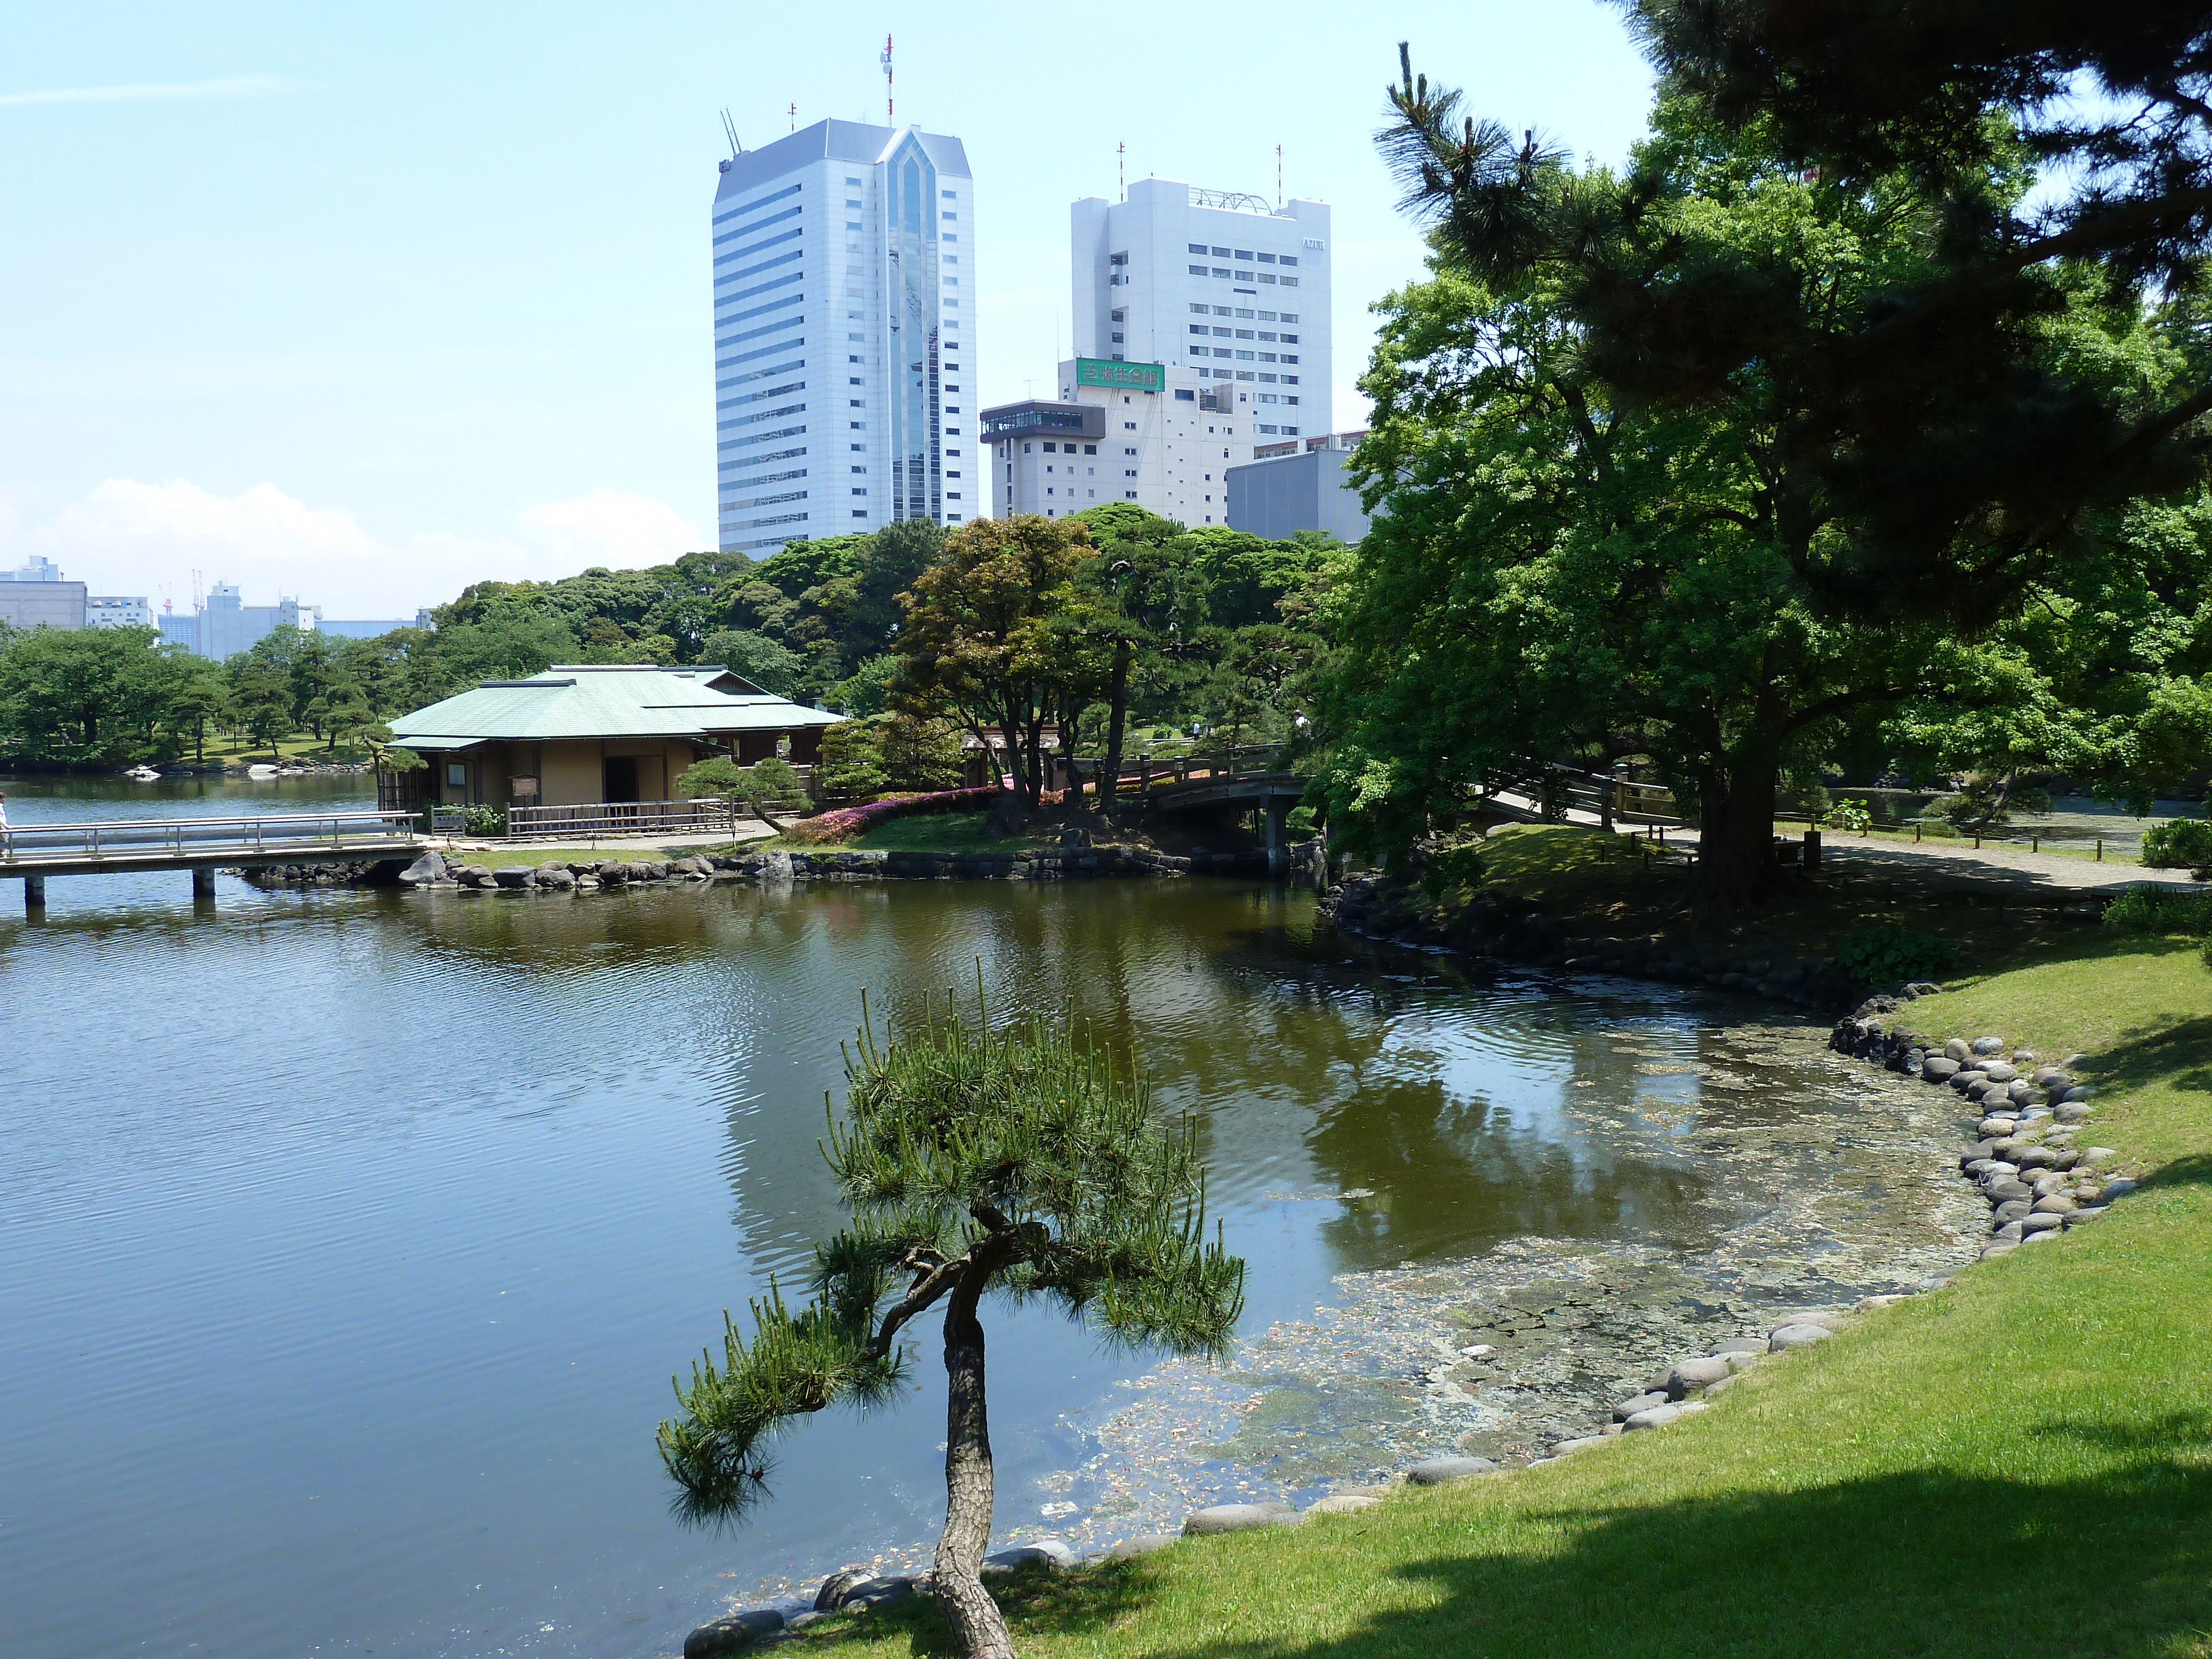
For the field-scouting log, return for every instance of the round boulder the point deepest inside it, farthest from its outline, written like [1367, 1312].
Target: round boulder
[1989, 1045]
[1628, 1408]
[1441, 1471]
[2039, 1221]
[1693, 1375]
[1938, 1068]
[1145, 1543]
[1797, 1336]
[1342, 1504]
[732, 1632]
[1238, 1517]
[1998, 1071]
[1658, 1417]
[1958, 1049]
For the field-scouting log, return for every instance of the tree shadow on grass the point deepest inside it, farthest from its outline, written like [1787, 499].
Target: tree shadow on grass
[1938, 1565]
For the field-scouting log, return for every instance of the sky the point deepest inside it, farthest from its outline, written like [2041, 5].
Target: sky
[363, 304]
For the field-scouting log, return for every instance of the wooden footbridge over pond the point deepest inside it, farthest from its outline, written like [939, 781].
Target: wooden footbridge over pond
[32, 851]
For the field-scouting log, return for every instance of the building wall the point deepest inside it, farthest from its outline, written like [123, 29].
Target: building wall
[844, 261]
[1148, 269]
[572, 776]
[106, 611]
[1277, 495]
[26, 603]
[1168, 451]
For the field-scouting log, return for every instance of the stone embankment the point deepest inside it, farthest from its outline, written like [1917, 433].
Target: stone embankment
[1681, 1390]
[2037, 1180]
[438, 869]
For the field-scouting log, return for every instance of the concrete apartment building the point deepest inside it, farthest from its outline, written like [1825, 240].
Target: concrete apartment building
[224, 624]
[105, 610]
[844, 261]
[1119, 432]
[1298, 485]
[38, 596]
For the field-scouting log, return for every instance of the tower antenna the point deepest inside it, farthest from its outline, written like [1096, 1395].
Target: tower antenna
[731, 128]
[890, 120]
[1278, 178]
[1121, 168]
[793, 113]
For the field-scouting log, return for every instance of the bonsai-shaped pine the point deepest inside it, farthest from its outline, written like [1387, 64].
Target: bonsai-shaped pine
[1020, 1165]
[763, 786]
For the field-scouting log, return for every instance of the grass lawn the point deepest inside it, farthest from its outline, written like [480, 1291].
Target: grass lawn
[2018, 1464]
[2110, 853]
[931, 832]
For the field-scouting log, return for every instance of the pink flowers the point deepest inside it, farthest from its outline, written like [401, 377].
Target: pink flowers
[847, 822]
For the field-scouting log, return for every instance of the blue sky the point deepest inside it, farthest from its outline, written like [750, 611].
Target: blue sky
[367, 303]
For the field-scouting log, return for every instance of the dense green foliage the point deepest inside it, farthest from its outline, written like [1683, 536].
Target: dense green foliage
[1642, 496]
[2179, 844]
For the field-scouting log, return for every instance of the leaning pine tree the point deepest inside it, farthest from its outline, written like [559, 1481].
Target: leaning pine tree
[1019, 1165]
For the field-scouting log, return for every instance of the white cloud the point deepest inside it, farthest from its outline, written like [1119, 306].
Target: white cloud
[127, 537]
[237, 86]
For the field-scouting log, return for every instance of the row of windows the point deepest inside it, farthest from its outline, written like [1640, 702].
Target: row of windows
[754, 420]
[724, 342]
[1239, 334]
[762, 437]
[762, 523]
[1225, 274]
[1088, 449]
[763, 500]
[739, 276]
[1200, 309]
[787, 279]
[744, 208]
[1248, 357]
[758, 310]
[758, 375]
[1283, 431]
[755, 397]
[799, 454]
[1245, 254]
[775, 350]
[791, 235]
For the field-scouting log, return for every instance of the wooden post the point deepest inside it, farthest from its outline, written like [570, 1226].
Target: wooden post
[1144, 775]
[34, 894]
[2100, 849]
[203, 881]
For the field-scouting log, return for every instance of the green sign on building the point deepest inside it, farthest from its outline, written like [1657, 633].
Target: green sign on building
[1130, 377]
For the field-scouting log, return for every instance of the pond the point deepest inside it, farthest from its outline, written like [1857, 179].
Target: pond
[349, 1241]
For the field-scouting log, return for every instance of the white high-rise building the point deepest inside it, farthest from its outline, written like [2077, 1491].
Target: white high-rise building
[844, 312]
[1220, 283]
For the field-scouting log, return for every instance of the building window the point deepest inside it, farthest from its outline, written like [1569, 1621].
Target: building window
[1290, 357]
[1268, 357]
[1128, 426]
[1265, 428]
[1243, 333]
[1267, 380]
[1243, 275]
[951, 215]
[1129, 451]
[1291, 380]
[1197, 247]
[1119, 340]
[457, 775]
[1091, 449]
[1289, 400]
[1290, 282]
[1185, 395]
[1223, 332]
[1290, 317]
[1128, 495]
[1117, 259]
[1222, 271]
[853, 224]
[1266, 275]
[1242, 356]
[949, 195]
[860, 512]
[1198, 271]
[1289, 258]
[1201, 309]
[1221, 253]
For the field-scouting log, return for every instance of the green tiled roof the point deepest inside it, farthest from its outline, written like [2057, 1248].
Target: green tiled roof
[594, 702]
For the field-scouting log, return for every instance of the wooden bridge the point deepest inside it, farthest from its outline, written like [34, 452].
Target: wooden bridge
[32, 852]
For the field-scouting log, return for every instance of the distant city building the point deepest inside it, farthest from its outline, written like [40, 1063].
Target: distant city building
[225, 625]
[1136, 432]
[359, 630]
[844, 307]
[35, 569]
[1214, 281]
[38, 596]
[104, 610]
[1289, 487]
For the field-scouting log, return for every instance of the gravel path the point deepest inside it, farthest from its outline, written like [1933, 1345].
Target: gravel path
[1958, 865]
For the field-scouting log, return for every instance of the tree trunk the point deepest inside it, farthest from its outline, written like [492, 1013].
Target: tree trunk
[1117, 720]
[977, 1624]
[1735, 840]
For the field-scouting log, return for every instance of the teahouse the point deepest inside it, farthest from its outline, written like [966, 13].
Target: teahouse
[587, 733]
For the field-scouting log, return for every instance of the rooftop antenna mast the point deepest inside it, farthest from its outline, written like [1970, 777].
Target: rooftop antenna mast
[1121, 168]
[1278, 178]
[731, 128]
[889, 120]
[794, 112]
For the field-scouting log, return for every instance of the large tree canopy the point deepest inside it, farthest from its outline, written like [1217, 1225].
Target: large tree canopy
[1654, 481]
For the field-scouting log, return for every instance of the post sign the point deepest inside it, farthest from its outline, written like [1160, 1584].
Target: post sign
[1128, 377]
[524, 786]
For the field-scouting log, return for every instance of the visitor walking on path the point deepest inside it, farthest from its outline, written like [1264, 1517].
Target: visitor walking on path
[7, 848]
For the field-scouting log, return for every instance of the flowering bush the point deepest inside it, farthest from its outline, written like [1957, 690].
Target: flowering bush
[847, 822]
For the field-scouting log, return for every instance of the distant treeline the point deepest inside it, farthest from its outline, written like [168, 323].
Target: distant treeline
[817, 620]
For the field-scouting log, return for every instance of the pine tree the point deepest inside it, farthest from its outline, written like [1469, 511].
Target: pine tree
[1020, 1165]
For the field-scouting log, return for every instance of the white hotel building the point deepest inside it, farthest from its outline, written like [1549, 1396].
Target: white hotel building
[844, 309]
[1218, 283]
[1158, 404]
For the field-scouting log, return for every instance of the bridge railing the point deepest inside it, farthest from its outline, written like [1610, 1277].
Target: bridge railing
[264, 832]
[1554, 789]
[1147, 772]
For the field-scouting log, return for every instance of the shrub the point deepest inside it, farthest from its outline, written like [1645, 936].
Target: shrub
[2151, 910]
[1891, 955]
[1855, 817]
[2181, 843]
[851, 764]
[848, 821]
[484, 820]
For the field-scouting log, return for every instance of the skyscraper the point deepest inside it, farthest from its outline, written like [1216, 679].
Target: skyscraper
[844, 306]
[1215, 281]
